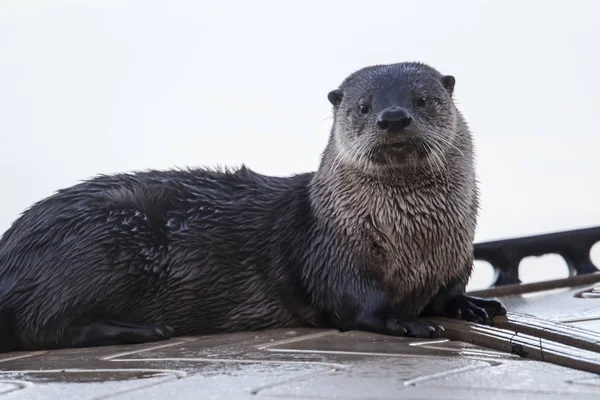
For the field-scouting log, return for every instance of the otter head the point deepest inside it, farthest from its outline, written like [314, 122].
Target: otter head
[390, 116]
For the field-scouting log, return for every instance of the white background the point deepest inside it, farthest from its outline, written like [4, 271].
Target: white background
[91, 87]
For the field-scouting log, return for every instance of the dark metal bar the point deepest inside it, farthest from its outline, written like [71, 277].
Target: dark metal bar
[510, 290]
[573, 246]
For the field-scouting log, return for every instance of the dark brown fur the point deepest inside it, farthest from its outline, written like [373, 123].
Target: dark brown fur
[370, 241]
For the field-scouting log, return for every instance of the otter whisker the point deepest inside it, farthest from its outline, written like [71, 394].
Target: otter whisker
[431, 160]
[323, 120]
[437, 162]
[447, 142]
[444, 164]
[335, 163]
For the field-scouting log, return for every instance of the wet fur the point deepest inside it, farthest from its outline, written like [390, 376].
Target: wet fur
[197, 250]
[221, 251]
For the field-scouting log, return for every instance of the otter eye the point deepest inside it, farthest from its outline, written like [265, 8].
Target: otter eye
[363, 108]
[421, 102]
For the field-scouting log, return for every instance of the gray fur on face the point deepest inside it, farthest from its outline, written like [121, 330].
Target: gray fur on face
[360, 142]
[410, 216]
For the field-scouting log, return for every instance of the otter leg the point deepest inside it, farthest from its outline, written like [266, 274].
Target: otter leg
[454, 303]
[419, 328]
[394, 326]
[370, 311]
[109, 332]
[474, 309]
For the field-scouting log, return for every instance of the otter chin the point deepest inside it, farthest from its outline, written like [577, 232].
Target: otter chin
[400, 153]
[372, 240]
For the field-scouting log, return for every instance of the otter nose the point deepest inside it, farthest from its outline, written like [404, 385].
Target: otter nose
[394, 119]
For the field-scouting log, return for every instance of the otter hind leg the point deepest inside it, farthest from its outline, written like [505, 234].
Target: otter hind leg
[8, 340]
[110, 332]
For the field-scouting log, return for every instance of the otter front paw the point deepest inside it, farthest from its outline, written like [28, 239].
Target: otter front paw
[412, 327]
[418, 328]
[474, 309]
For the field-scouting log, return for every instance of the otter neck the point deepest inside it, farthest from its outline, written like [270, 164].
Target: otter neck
[340, 191]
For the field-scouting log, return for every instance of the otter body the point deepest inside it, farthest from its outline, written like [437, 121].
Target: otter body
[380, 236]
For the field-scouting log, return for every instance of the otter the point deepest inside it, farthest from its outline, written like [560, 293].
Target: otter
[379, 238]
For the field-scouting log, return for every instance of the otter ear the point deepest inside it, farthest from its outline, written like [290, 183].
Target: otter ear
[335, 97]
[448, 82]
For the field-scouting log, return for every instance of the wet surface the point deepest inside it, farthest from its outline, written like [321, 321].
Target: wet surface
[560, 305]
[288, 364]
[558, 333]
